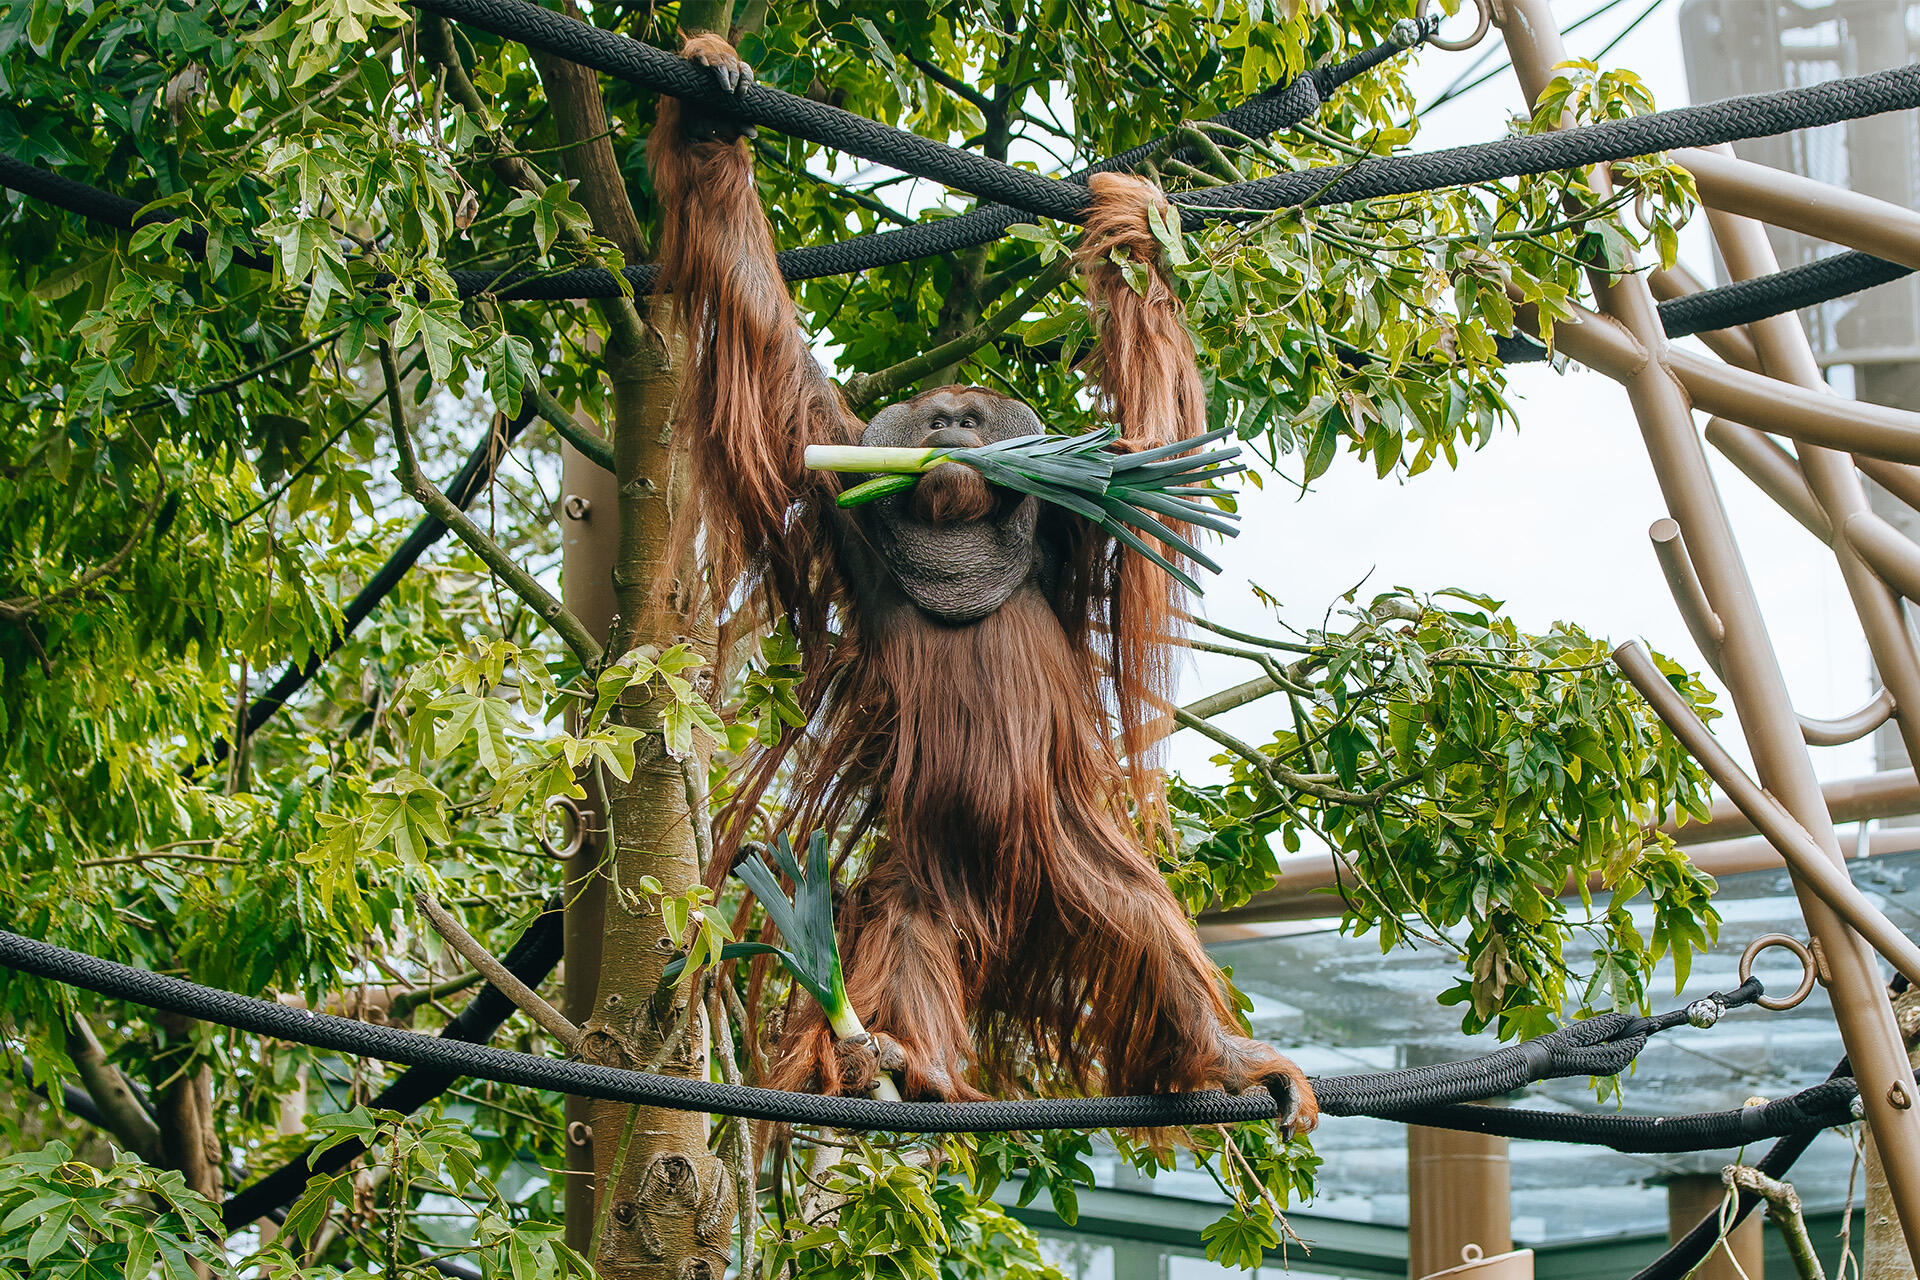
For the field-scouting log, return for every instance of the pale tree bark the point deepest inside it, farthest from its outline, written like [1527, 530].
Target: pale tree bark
[126, 1117]
[663, 1205]
[1884, 1253]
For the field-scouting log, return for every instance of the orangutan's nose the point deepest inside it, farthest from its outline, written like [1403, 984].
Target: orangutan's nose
[951, 437]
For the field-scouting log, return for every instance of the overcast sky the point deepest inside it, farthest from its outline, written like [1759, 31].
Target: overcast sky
[1552, 518]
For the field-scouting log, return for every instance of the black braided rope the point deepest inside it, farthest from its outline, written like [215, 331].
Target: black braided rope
[1267, 113]
[1757, 115]
[1602, 1045]
[1261, 116]
[663, 72]
[105, 206]
[1692, 1249]
[1725, 307]
[1730, 120]
[1821, 1107]
[1745, 301]
[531, 959]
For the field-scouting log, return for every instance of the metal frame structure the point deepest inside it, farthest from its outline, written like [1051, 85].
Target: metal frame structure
[1766, 383]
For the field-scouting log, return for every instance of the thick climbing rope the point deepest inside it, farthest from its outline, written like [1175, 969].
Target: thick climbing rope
[106, 207]
[1745, 301]
[1821, 1107]
[1268, 113]
[1724, 307]
[1731, 120]
[1265, 114]
[1758, 115]
[530, 959]
[1601, 1046]
[1692, 1249]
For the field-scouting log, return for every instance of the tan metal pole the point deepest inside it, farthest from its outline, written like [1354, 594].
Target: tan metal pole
[589, 530]
[1753, 674]
[1821, 876]
[1884, 1254]
[1459, 1192]
[1303, 893]
[1786, 354]
[1801, 204]
[1691, 1197]
[1797, 412]
[1892, 794]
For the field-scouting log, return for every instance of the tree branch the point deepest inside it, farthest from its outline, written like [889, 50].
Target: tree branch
[524, 997]
[1783, 1208]
[441, 507]
[436, 41]
[120, 1108]
[953, 85]
[593, 448]
[1281, 778]
[864, 389]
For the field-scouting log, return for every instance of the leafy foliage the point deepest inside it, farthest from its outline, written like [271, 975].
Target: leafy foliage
[67, 1220]
[193, 482]
[897, 1221]
[1468, 775]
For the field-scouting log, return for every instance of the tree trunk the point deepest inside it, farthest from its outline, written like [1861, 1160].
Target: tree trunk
[590, 529]
[666, 1204]
[1884, 1253]
[663, 1206]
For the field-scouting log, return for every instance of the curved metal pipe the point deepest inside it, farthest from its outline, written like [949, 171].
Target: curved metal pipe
[1851, 727]
[1828, 881]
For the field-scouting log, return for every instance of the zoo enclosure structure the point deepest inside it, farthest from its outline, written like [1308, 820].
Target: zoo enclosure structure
[1768, 385]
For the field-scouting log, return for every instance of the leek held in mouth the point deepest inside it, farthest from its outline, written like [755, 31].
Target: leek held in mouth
[1125, 494]
[810, 951]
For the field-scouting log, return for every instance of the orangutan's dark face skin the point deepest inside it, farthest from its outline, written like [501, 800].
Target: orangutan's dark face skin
[956, 546]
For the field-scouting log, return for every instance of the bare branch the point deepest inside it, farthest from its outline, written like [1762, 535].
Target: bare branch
[126, 1118]
[593, 448]
[524, 997]
[1783, 1209]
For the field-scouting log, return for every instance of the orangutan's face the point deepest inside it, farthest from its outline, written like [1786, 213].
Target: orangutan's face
[958, 547]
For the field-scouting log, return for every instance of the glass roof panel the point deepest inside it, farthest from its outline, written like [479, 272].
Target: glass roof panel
[1336, 1005]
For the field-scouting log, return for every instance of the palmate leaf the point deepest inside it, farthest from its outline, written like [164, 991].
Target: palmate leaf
[1126, 494]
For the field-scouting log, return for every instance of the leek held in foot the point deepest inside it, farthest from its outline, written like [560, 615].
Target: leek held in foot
[810, 950]
[1120, 492]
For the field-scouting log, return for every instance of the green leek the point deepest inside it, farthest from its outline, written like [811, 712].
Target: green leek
[1119, 492]
[805, 923]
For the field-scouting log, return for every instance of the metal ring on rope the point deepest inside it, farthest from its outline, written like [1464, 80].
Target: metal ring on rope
[1787, 943]
[1432, 27]
[574, 823]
